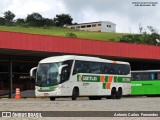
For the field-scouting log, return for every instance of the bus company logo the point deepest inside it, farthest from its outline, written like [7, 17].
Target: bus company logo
[89, 78]
[80, 78]
[6, 114]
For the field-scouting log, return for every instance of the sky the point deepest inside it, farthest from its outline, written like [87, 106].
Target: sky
[123, 13]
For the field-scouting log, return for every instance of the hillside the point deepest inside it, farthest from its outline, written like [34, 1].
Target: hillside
[57, 31]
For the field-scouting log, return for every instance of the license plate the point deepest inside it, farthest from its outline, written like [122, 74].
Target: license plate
[46, 94]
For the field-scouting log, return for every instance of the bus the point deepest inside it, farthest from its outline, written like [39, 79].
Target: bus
[74, 76]
[145, 82]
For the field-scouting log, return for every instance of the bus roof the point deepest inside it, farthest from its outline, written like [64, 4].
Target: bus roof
[75, 57]
[145, 71]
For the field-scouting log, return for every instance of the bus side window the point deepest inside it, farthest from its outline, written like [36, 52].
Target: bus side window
[68, 68]
[86, 67]
[103, 68]
[65, 74]
[158, 76]
[111, 69]
[77, 67]
[152, 76]
[95, 67]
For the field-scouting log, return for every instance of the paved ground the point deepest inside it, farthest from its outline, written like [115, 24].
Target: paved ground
[83, 104]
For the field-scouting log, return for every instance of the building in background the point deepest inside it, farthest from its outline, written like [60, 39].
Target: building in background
[101, 26]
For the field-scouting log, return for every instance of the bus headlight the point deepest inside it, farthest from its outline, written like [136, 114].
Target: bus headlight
[37, 88]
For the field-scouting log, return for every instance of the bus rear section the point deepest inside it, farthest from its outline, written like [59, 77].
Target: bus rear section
[146, 82]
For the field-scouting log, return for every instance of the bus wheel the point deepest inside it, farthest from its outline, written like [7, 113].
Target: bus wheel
[113, 93]
[119, 93]
[91, 98]
[75, 93]
[95, 98]
[52, 98]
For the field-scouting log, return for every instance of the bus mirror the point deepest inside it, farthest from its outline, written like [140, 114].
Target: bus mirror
[33, 72]
[60, 68]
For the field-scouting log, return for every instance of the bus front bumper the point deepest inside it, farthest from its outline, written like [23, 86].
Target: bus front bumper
[50, 93]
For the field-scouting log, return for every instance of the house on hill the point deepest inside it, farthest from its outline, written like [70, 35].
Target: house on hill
[101, 26]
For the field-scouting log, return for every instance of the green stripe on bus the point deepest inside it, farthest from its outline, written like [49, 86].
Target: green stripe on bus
[88, 78]
[48, 88]
[104, 85]
[94, 78]
[122, 79]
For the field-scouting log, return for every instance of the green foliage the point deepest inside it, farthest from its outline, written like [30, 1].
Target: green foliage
[141, 38]
[63, 19]
[35, 19]
[71, 35]
[9, 16]
[2, 21]
[48, 22]
[20, 21]
[131, 38]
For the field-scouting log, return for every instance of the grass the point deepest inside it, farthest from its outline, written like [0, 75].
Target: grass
[58, 31]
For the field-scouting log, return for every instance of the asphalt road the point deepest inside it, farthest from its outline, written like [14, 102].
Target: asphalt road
[83, 104]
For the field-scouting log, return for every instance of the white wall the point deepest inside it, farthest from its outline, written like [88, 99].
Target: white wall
[108, 29]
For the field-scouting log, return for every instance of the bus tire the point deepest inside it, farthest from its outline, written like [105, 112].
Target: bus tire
[95, 98]
[52, 98]
[113, 93]
[119, 93]
[75, 93]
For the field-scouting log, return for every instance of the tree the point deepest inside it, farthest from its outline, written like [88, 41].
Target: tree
[9, 16]
[140, 28]
[2, 21]
[48, 22]
[35, 19]
[20, 21]
[63, 19]
[152, 29]
[143, 38]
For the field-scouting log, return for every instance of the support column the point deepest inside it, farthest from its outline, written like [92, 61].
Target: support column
[10, 78]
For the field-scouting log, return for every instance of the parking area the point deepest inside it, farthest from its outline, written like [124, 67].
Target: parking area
[83, 104]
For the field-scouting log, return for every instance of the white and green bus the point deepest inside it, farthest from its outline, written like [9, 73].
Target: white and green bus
[74, 76]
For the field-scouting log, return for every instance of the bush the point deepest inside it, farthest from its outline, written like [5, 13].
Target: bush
[131, 38]
[71, 35]
[141, 38]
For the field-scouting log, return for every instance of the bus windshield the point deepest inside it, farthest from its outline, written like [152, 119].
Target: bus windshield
[47, 74]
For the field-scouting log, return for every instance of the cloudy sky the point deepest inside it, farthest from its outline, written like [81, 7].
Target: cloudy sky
[123, 13]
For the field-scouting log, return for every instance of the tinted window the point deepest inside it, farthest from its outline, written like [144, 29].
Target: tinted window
[95, 67]
[67, 68]
[158, 76]
[100, 68]
[78, 67]
[68, 62]
[118, 69]
[145, 76]
[86, 67]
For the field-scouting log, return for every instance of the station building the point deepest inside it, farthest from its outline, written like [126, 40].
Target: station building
[100, 26]
[19, 52]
